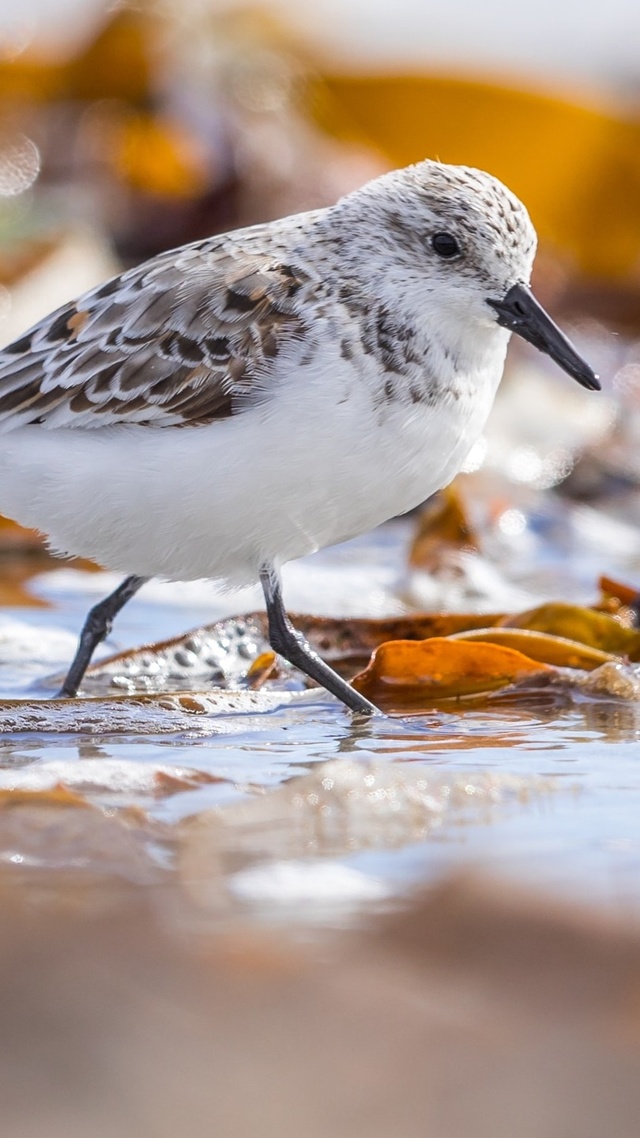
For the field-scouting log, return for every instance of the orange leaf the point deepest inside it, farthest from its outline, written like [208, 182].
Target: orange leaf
[262, 668]
[442, 525]
[412, 675]
[619, 600]
[58, 795]
[627, 594]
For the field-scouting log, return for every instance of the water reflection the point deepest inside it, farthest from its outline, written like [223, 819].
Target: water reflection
[338, 809]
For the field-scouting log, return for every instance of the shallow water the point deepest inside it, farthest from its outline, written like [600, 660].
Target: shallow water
[547, 791]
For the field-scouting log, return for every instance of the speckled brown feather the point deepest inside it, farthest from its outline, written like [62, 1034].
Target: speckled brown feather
[172, 342]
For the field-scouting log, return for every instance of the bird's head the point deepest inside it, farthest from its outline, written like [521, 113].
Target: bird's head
[456, 242]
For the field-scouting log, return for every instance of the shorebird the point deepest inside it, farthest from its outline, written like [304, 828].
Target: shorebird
[247, 399]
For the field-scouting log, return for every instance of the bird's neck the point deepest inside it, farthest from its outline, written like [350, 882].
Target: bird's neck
[466, 349]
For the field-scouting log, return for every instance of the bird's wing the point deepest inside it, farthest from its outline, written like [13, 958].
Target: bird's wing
[174, 341]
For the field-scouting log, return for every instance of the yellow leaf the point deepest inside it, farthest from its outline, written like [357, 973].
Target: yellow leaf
[541, 646]
[573, 622]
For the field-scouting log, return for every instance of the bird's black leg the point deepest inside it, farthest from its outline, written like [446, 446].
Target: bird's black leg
[96, 627]
[293, 647]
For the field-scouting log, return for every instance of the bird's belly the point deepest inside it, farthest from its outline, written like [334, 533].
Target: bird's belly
[217, 501]
[415, 453]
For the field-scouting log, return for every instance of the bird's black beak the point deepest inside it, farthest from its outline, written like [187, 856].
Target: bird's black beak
[520, 312]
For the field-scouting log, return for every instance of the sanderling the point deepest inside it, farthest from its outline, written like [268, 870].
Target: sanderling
[247, 399]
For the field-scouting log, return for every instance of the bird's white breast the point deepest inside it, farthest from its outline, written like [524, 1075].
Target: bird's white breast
[320, 458]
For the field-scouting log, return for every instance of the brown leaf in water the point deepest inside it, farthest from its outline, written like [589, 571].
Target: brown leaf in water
[404, 675]
[167, 782]
[597, 629]
[58, 795]
[261, 669]
[14, 594]
[541, 646]
[555, 634]
[626, 594]
[442, 525]
[619, 600]
[23, 555]
[222, 651]
[347, 644]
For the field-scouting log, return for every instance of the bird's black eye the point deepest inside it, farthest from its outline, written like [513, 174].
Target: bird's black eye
[445, 245]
